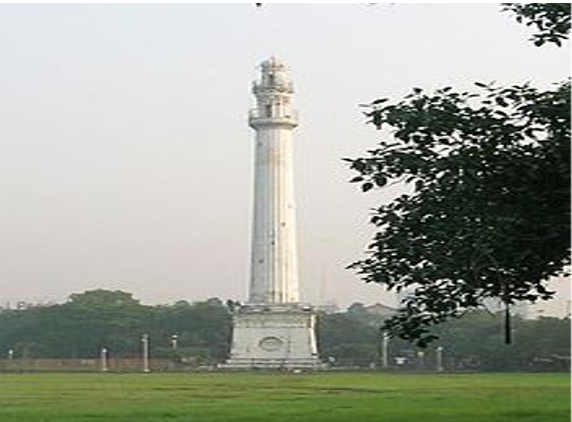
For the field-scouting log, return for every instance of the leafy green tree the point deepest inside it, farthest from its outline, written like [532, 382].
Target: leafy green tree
[347, 337]
[103, 299]
[91, 320]
[489, 212]
[474, 341]
[551, 20]
[488, 215]
[203, 328]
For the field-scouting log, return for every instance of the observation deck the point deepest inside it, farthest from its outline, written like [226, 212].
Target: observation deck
[257, 118]
[281, 86]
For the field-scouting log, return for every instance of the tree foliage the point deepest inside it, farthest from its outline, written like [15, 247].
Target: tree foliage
[472, 342]
[489, 210]
[350, 338]
[475, 342]
[115, 320]
[550, 20]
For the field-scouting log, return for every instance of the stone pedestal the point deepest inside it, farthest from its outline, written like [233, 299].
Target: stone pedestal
[274, 336]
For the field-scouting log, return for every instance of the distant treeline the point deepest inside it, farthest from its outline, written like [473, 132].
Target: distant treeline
[89, 321]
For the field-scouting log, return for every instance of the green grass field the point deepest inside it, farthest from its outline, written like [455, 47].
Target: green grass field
[277, 397]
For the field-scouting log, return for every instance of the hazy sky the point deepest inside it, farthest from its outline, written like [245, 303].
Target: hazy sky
[126, 161]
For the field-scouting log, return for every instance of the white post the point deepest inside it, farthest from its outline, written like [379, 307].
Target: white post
[420, 359]
[103, 359]
[384, 350]
[145, 341]
[174, 338]
[10, 354]
[439, 359]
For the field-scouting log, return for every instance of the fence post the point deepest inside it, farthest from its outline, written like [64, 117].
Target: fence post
[103, 359]
[439, 359]
[145, 341]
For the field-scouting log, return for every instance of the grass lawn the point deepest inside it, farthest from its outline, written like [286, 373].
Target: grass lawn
[275, 397]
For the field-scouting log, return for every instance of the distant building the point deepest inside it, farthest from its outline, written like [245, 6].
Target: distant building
[373, 315]
[328, 308]
[380, 310]
[493, 305]
[496, 305]
[403, 294]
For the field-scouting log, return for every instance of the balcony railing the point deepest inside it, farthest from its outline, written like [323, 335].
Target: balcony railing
[256, 115]
[281, 87]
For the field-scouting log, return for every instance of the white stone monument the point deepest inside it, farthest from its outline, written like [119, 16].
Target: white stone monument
[273, 330]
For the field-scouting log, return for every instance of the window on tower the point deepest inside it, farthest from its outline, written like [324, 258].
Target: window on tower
[268, 110]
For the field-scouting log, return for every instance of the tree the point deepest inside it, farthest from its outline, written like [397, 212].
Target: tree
[489, 210]
[115, 320]
[347, 337]
[471, 342]
[552, 20]
[541, 344]
[101, 298]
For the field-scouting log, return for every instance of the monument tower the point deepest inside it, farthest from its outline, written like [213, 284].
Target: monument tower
[273, 329]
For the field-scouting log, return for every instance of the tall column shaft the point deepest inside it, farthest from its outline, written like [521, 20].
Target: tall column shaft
[274, 266]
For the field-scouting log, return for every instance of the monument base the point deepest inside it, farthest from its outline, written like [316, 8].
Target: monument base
[274, 336]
